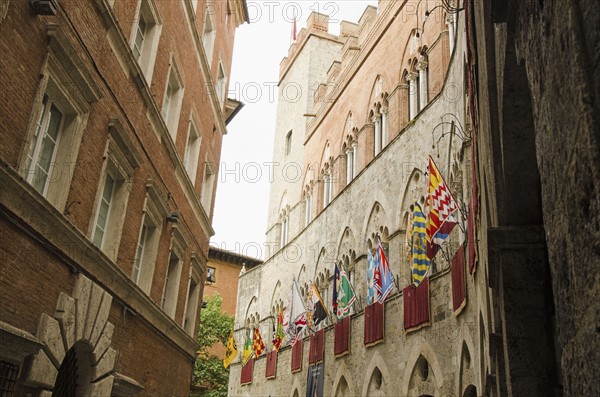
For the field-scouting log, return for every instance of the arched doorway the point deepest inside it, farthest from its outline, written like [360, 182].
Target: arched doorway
[75, 372]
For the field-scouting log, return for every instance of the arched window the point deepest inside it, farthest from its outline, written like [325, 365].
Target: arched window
[413, 96]
[308, 207]
[423, 87]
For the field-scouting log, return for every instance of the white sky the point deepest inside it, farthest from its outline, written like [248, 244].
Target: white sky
[240, 217]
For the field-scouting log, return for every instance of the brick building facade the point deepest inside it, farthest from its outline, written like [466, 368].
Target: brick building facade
[113, 114]
[509, 115]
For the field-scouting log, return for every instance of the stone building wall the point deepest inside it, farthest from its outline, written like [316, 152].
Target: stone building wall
[376, 201]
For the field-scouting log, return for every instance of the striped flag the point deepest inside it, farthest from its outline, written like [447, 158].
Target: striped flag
[383, 279]
[420, 260]
[442, 209]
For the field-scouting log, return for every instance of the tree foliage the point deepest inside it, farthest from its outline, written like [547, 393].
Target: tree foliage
[215, 326]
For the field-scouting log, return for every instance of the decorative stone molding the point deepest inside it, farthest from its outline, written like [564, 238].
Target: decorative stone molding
[80, 319]
[16, 344]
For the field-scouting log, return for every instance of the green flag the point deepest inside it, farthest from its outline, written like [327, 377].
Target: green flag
[343, 293]
[247, 352]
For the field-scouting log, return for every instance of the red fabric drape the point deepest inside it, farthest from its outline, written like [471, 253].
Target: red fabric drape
[471, 238]
[457, 268]
[247, 371]
[416, 305]
[342, 336]
[374, 323]
[271, 371]
[317, 347]
[297, 356]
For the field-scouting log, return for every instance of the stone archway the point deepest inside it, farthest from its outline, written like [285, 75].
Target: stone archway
[76, 341]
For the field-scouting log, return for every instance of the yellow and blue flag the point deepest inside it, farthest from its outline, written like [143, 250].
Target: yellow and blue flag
[420, 261]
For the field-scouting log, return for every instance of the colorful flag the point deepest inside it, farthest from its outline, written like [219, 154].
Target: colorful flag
[257, 344]
[384, 279]
[297, 314]
[408, 239]
[371, 265]
[420, 260]
[442, 209]
[343, 293]
[231, 352]
[278, 335]
[318, 313]
[247, 352]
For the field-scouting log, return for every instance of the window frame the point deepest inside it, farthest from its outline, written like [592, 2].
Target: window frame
[72, 92]
[154, 213]
[149, 46]
[121, 169]
[173, 99]
[172, 284]
[206, 195]
[192, 153]
[209, 33]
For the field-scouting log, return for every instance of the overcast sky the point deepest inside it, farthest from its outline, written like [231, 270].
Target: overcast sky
[240, 218]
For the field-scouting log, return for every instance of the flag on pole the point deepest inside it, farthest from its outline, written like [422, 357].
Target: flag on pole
[384, 279]
[408, 239]
[278, 335]
[297, 314]
[442, 209]
[247, 352]
[257, 344]
[343, 293]
[294, 34]
[231, 352]
[371, 265]
[318, 312]
[420, 260]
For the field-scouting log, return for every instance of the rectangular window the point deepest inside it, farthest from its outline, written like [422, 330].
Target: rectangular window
[211, 275]
[145, 36]
[172, 101]
[189, 322]
[221, 84]
[192, 151]
[207, 187]
[308, 209]
[44, 145]
[208, 36]
[102, 218]
[171, 288]
[8, 378]
[140, 37]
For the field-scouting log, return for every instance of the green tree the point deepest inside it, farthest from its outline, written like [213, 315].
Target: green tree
[215, 326]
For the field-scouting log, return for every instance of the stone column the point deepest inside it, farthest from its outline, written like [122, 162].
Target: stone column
[412, 95]
[423, 86]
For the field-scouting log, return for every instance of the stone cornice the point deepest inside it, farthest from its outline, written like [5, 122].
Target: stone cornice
[42, 221]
